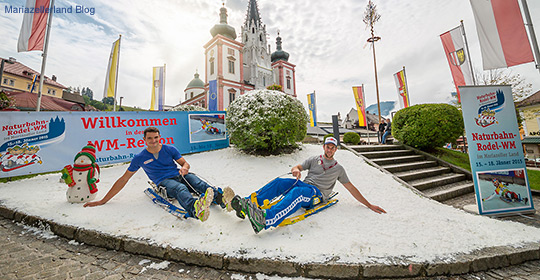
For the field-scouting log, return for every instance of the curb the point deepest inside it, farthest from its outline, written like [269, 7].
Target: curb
[479, 260]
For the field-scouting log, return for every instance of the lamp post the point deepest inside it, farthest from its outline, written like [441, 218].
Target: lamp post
[370, 18]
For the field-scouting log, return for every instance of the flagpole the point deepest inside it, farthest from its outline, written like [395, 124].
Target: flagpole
[468, 52]
[406, 86]
[162, 97]
[44, 61]
[117, 67]
[531, 33]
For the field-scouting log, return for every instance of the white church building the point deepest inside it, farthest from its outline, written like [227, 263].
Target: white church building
[233, 67]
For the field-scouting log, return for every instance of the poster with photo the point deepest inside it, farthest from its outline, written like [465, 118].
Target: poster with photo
[495, 150]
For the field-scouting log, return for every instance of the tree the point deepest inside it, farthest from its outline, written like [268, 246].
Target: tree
[108, 100]
[520, 88]
[89, 93]
[5, 100]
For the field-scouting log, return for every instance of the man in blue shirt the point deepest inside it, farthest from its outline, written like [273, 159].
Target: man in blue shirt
[159, 163]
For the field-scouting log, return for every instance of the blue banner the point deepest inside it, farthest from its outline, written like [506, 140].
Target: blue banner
[495, 151]
[36, 142]
[212, 96]
[312, 105]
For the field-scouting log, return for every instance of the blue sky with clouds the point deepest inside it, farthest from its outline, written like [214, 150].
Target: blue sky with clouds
[326, 40]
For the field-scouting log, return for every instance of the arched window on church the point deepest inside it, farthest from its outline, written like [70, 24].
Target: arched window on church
[253, 30]
[260, 37]
[288, 82]
[211, 66]
[232, 95]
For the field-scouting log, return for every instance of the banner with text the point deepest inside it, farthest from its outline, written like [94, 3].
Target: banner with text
[495, 151]
[36, 142]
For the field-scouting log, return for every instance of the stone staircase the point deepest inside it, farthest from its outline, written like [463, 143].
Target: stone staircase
[429, 175]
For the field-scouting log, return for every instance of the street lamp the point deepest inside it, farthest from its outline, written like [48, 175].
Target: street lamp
[371, 16]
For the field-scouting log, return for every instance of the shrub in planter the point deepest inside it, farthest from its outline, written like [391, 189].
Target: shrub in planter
[427, 126]
[266, 122]
[351, 138]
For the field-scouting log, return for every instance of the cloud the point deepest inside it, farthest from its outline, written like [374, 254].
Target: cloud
[326, 42]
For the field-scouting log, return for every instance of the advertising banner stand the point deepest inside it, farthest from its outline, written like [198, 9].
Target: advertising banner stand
[496, 154]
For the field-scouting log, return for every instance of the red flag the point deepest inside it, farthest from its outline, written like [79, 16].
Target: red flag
[360, 105]
[458, 58]
[502, 35]
[403, 92]
[32, 35]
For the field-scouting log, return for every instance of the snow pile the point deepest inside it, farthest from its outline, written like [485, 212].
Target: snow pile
[415, 228]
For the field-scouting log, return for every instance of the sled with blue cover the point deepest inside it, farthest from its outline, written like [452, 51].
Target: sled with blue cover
[318, 207]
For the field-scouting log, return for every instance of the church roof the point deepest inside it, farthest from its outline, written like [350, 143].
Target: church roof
[196, 82]
[279, 54]
[253, 13]
[222, 28]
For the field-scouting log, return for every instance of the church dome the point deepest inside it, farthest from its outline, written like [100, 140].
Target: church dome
[223, 28]
[279, 54]
[196, 82]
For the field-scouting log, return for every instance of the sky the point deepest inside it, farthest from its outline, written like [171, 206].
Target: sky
[326, 41]
[415, 229]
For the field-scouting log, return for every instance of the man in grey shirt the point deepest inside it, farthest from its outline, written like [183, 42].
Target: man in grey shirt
[323, 173]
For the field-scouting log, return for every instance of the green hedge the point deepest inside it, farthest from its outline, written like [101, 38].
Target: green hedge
[351, 138]
[427, 126]
[266, 122]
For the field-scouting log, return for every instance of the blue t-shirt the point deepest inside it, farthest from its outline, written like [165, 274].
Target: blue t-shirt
[160, 168]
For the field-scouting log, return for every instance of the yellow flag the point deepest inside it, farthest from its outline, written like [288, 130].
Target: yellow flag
[112, 70]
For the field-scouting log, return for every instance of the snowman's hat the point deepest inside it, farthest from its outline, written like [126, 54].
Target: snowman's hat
[89, 151]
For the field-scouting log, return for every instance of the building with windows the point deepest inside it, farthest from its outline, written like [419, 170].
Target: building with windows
[529, 109]
[234, 67]
[19, 77]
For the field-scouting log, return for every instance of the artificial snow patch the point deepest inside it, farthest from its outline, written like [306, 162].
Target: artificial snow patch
[42, 231]
[73, 242]
[161, 265]
[415, 229]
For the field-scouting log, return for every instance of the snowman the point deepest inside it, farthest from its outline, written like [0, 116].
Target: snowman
[82, 177]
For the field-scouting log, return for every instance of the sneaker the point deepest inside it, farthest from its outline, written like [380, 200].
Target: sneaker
[227, 197]
[202, 205]
[238, 204]
[256, 215]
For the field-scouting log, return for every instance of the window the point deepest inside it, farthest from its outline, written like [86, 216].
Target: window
[212, 66]
[51, 91]
[288, 82]
[29, 86]
[231, 66]
[10, 82]
[232, 95]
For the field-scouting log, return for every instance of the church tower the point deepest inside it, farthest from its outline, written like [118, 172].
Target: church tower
[224, 72]
[284, 73]
[257, 64]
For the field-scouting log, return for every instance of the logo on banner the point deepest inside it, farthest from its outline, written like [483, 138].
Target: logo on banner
[21, 149]
[490, 104]
[457, 57]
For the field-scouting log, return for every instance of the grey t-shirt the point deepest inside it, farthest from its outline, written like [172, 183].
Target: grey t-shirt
[323, 174]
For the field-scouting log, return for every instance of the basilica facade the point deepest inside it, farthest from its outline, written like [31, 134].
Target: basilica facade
[234, 66]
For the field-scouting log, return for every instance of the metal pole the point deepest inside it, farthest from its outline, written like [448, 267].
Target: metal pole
[1, 71]
[117, 67]
[376, 80]
[531, 33]
[44, 61]
[468, 52]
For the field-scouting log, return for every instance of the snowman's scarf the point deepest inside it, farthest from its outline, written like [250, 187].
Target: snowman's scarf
[91, 168]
